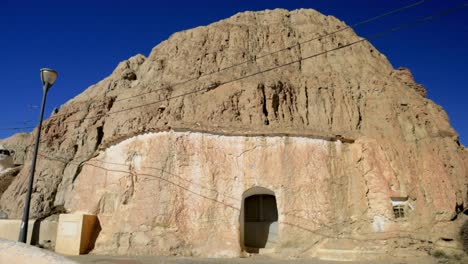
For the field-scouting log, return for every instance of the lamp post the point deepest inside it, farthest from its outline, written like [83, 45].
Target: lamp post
[48, 77]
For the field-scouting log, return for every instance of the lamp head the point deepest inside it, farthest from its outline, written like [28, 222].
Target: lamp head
[48, 77]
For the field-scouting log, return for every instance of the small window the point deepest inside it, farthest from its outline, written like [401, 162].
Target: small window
[400, 206]
[399, 211]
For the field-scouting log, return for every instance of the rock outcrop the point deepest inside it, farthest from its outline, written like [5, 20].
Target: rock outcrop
[404, 75]
[166, 149]
[6, 161]
[8, 171]
[20, 144]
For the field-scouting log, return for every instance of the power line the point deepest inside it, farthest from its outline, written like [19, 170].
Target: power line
[380, 34]
[229, 201]
[252, 60]
[377, 35]
[16, 128]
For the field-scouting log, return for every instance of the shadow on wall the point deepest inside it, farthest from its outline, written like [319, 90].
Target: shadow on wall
[44, 229]
[258, 219]
[464, 235]
[94, 235]
[44, 233]
[36, 232]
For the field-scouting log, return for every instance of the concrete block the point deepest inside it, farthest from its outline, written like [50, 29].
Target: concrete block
[10, 228]
[47, 234]
[75, 233]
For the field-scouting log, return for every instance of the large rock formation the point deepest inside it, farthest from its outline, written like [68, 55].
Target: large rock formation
[167, 148]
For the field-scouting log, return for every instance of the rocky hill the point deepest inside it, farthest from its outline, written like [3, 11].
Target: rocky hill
[164, 148]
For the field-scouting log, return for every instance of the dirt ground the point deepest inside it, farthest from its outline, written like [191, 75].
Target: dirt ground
[90, 259]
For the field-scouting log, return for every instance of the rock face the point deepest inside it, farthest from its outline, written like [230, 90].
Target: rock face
[168, 149]
[19, 144]
[6, 161]
[7, 176]
[7, 171]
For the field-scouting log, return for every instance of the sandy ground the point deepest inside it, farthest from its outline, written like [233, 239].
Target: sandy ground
[20, 253]
[90, 259]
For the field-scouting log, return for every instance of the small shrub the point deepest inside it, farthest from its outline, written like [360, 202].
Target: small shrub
[439, 254]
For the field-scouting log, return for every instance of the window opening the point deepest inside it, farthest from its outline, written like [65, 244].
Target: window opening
[399, 211]
[400, 207]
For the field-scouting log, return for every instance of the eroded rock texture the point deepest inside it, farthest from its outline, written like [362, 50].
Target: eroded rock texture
[334, 137]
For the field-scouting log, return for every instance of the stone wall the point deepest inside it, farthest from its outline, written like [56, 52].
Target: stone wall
[182, 193]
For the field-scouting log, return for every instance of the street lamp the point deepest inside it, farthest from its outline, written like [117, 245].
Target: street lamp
[48, 77]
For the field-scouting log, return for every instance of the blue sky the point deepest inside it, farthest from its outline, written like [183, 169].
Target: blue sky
[85, 40]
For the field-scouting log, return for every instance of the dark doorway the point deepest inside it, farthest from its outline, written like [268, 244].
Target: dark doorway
[260, 220]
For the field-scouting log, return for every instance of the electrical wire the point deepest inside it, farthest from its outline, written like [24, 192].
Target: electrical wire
[16, 128]
[383, 33]
[228, 201]
[380, 34]
[206, 88]
[246, 61]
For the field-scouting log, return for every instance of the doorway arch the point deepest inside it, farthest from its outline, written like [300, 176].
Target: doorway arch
[258, 219]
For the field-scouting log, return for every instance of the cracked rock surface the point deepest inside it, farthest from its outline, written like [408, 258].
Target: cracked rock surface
[335, 137]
